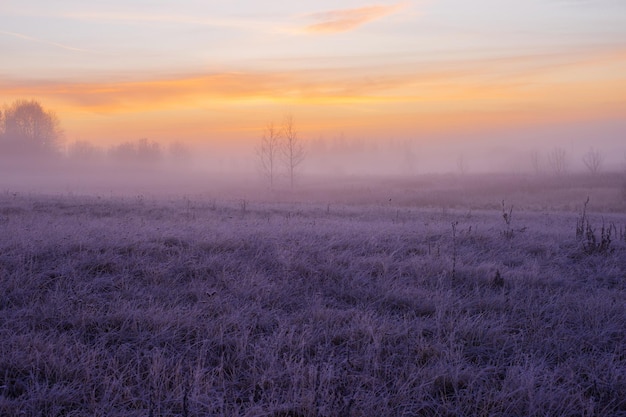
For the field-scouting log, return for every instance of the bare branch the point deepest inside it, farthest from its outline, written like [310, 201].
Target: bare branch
[593, 160]
[267, 152]
[557, 159]
[293, 148]
[535, 160]
[461, 164]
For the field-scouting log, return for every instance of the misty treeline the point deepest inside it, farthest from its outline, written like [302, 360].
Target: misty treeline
[30, 131]
[345, 155]
[557, 161]
[140, 151]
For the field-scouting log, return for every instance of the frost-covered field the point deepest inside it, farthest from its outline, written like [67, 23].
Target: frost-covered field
[142, 307]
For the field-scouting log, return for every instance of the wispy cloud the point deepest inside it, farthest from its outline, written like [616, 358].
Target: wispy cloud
[517, 80]
[344, 20]
[130, 17]
[120, 96]
[37, 40]
[594, 3]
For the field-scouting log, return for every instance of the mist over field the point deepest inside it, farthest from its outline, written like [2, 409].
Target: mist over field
[323, 208]
[178, 168]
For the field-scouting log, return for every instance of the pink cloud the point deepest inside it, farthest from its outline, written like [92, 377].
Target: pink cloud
[344, 20]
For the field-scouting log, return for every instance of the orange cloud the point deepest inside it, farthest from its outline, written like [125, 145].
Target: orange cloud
[156, 93]
[226, 89]
[344, 20]
[517, 80]
[434, 95]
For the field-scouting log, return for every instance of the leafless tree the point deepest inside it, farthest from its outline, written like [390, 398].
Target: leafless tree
[292, 149]
[461, 165]
[593, 160]
[179, 152]
[268, 152]
[84, 152]
[557, 160]
[409, 156]
[141, 151]
[535, 160]
[148, 151]
[29, 128]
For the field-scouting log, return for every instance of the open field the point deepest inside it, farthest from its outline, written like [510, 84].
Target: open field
[139, 306]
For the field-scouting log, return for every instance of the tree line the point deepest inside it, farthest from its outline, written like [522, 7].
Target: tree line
[557, 161]
[29, 130]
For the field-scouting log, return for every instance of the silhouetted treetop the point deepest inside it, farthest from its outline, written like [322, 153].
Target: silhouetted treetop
[29, 129]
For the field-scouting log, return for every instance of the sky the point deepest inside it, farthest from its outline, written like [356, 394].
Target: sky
[216, 72]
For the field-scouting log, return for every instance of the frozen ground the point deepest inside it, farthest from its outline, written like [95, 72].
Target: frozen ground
[136, 306]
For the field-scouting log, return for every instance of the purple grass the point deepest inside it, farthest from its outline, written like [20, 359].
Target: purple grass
[145, 307]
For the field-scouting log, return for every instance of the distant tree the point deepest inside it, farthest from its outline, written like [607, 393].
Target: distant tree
[268, 153]
[83, 151]
[593, 160]
[340, 144]
[27, 128]
[318, 146]
[557, 160]
[461, 165]
[409, 156]
[123, 152]
[535, 160]
[292, 148]
[179, 152]
[148, 151]
[140, 151]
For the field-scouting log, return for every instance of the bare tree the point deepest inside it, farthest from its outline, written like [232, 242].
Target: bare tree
[409, 156]
[461, 165]
[268, 152]
[292, 149]
[29, 128]
[179, 152]
[84, 152]
[557, 160]
[535, 160]
[593, 160]
[148, 151]
[141, 151]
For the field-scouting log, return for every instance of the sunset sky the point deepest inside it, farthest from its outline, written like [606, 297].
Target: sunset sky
[209, 71]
